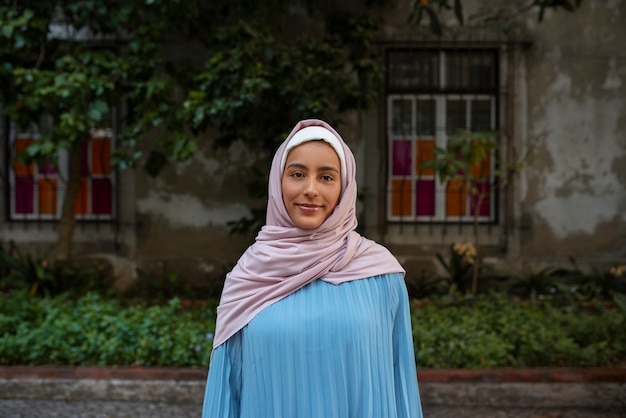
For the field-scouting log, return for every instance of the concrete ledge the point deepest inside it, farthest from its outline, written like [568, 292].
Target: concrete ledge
[571, 388]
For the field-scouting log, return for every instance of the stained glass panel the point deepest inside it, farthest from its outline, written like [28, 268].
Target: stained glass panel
[24, 195]
[401, 198]
[101, 196]
[425, 197]
[455, 198]
[401, 158]
[424, 152]
[100, 156]
[482, 199]
[47, 194]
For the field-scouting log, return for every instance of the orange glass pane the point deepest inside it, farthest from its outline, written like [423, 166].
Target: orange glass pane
[401, 198]
[21, 169]
[480, 170]
[47, 193]
[424, 152]
[100, 156]
[455, 198]
[82, 199]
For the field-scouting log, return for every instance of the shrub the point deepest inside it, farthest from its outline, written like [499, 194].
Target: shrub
[95, 331]
[456, 331]
[495, 330]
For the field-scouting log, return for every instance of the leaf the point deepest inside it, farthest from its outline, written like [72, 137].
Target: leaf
[620, 300]
[7, 31]
[155, 163]
[458, 11]
[97, 109]
[435, 26]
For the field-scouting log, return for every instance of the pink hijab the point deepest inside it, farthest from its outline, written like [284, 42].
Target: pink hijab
[285, 258]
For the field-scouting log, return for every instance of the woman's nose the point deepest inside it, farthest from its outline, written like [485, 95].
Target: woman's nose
[311, 187]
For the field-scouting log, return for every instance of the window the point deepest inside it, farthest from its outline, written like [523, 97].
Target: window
[431, 95]
[36, 190]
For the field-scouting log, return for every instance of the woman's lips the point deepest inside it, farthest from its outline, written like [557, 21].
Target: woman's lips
[308, 208]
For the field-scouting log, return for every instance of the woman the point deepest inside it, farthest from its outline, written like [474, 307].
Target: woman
[314, 319]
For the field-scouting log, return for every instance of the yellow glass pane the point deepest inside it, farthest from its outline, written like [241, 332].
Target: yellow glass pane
[455, 198]
[401, 198]
[424, 152]
[100, 156]
[82, 203]
[21, 169]
[47, 193]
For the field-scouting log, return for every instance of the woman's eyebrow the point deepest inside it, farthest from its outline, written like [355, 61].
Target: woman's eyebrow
[297, 165]
[328, 168]
[321, 168]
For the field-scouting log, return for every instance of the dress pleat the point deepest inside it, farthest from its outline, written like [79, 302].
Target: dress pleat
[325, 351]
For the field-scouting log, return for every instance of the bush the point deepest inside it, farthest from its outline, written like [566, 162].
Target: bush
[95, 331]
[495, 330]
[491, 330]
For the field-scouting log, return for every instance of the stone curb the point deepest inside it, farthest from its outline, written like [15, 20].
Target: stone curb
[579, 388]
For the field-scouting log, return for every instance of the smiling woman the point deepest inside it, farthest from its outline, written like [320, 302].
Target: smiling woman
[314, 319]
[311, 183]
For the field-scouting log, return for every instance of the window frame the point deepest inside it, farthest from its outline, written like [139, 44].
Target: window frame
[13, 215]
[440, 94]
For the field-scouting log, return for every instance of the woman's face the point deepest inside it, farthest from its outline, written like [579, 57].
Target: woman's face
[311, 183]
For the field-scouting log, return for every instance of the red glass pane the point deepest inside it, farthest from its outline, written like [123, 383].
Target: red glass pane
[100, 156]
[401, 158]
[21, 169]
[24, 195]
[425, 197]
[82, 203]
[101, 197]
[482, 199]
[47, 168]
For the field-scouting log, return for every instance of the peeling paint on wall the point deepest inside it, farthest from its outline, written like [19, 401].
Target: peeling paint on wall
[185, 210]
[577, 194]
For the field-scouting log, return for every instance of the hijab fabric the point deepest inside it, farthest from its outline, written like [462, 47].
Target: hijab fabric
[285, 258]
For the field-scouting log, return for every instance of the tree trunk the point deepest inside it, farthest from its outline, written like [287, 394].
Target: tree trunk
[479, 201]
[68, 217]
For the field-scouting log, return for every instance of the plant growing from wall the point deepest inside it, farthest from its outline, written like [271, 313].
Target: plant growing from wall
[462, 159]
[495, 11]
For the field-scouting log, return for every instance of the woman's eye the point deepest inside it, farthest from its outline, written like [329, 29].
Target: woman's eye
[297, 174]
[327, 178]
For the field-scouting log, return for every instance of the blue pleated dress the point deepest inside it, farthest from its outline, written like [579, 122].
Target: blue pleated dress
[325, 351]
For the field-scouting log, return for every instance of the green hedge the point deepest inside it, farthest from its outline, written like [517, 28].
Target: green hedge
[486, 331]
[495, 330]
[95, 331]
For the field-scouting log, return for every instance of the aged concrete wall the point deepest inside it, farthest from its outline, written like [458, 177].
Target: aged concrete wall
[183, 214]
[571, 199]
[574, 198]
[569, 117]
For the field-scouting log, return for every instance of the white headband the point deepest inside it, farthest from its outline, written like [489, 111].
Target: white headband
[312, 133]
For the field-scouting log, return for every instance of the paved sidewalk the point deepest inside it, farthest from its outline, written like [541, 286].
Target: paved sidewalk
[119, 409]
[92, 392]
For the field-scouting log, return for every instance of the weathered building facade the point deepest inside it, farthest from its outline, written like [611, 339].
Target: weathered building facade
[554, 91]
